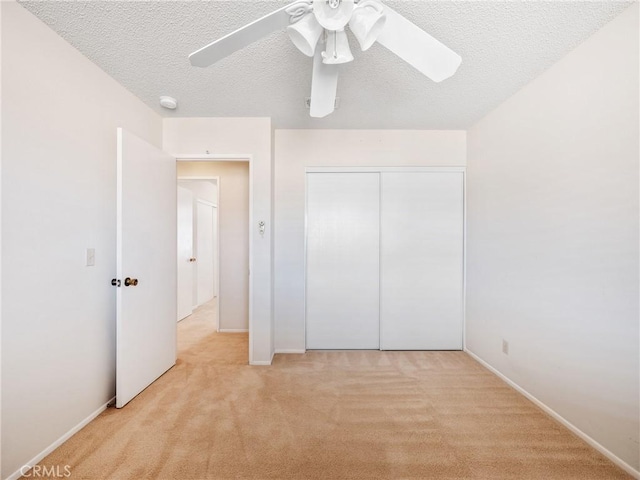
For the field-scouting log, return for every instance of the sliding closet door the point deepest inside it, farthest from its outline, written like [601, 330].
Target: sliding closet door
[422, 261]
[343, 233]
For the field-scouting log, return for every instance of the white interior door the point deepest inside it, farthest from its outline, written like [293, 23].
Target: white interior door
[185, 252]
[342, 261]
[421, 267]
[146, 249]
[205, 248]
[216, 250]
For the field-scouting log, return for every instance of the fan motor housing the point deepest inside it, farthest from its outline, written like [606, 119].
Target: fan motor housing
[333, 17]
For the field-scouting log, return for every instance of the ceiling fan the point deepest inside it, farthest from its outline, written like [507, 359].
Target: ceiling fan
[317, 29]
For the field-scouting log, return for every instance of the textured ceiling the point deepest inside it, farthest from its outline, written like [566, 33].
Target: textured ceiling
[144, 45]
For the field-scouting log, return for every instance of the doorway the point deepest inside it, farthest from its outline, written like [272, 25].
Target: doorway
[198, 241]
[225, 223]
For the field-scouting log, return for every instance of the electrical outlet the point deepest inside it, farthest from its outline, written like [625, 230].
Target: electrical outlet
[505, 347]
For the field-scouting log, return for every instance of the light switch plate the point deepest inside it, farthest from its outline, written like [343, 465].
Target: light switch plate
[91, 257]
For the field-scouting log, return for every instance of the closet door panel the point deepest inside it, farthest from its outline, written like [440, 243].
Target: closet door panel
[422, 261]
[342, 291]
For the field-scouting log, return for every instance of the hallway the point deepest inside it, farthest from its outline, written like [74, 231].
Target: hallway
[199, 328]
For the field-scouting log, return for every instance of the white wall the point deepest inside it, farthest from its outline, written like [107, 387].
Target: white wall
[238, 136]
[552, 243]
[233, 224]
[297, 149]
[206, 190]
[59, 118]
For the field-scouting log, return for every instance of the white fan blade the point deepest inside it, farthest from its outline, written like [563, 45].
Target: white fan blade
[324, 85]
[417, 47]
[241, 38]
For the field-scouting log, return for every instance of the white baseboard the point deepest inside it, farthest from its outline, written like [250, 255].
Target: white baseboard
[233, 330]
[291, 350]
[607, 453]
[60, 441]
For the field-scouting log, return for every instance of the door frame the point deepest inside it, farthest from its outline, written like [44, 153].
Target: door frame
[403, 169]
[217, 252]
[209, 157]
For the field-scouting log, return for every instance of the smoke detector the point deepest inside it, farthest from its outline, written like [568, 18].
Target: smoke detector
[168, 102]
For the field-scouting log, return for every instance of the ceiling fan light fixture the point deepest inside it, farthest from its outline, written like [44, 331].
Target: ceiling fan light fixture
[337, 50]
[372, 22]
[333, 15]
[367, 22]
[305, 34]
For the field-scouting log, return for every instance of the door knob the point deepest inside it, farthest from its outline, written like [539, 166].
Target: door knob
[192, 259]
[130, 282]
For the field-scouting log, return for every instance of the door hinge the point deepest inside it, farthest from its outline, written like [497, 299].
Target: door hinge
[115, 282]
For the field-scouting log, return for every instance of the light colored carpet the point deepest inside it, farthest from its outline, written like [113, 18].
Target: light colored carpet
[325, 415]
